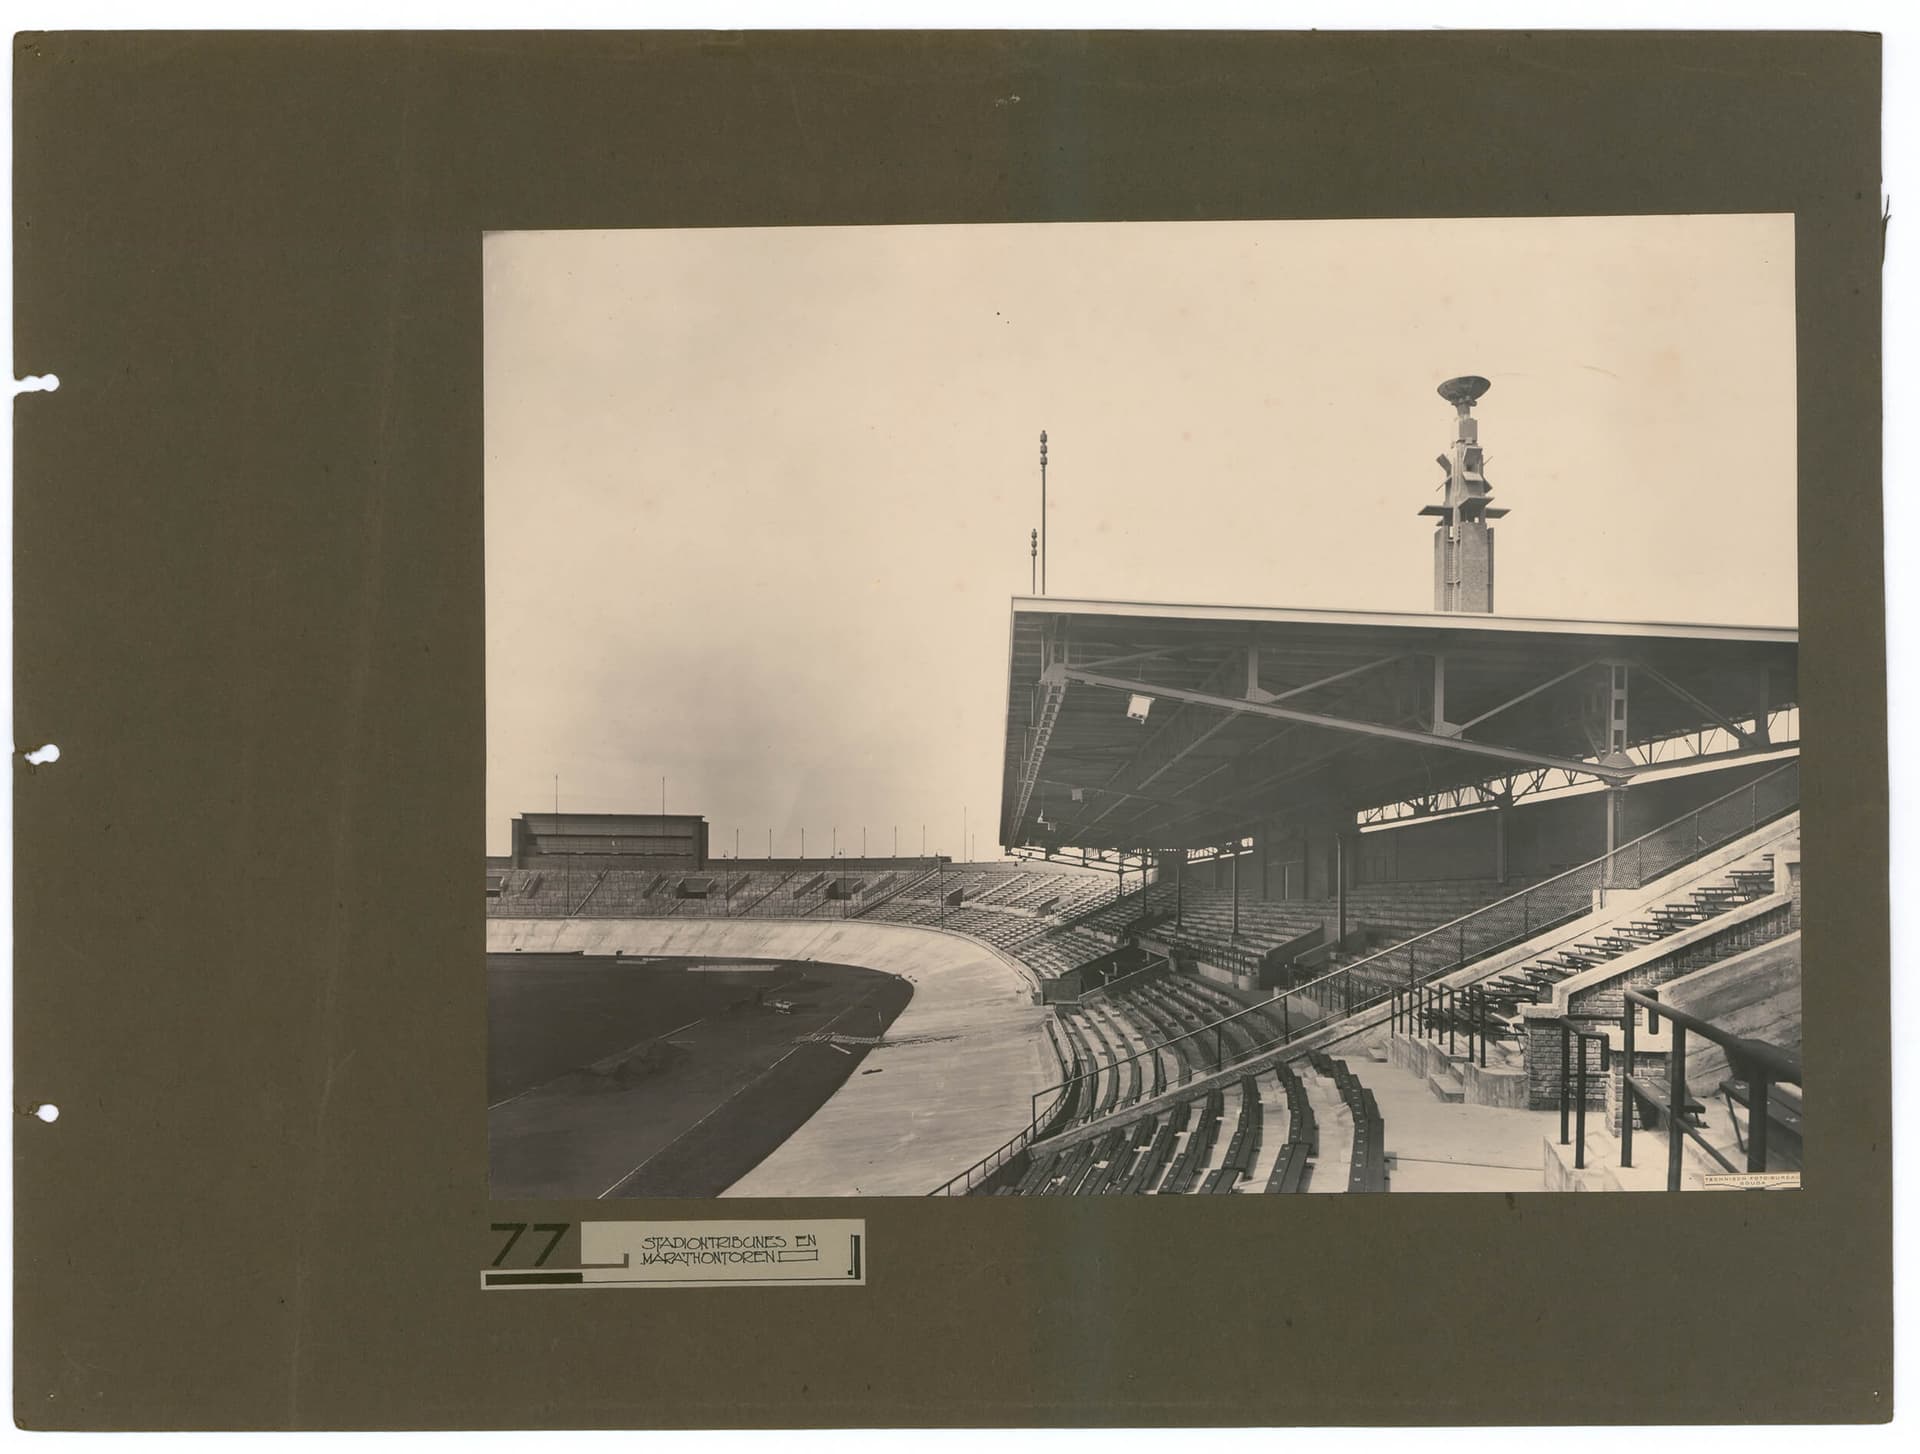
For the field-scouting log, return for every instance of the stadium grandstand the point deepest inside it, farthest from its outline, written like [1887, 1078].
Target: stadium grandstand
[1298, 901]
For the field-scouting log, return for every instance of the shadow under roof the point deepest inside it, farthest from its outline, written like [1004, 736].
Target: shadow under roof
[1338, 710]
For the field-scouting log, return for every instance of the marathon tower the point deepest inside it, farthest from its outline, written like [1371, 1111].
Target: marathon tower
[1462, 538]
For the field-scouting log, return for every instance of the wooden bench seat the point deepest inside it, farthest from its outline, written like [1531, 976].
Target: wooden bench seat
[1785, 1109]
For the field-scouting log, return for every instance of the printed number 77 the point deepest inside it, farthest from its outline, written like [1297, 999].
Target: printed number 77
[559, 1230]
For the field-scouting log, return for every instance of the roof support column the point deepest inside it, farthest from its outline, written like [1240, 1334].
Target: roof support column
[1235, 933]
[1617, 712]
[1614, 801]
[1340, 885]
[1501, 811]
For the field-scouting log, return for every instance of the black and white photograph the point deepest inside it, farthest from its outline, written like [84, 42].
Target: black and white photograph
[1038, 710]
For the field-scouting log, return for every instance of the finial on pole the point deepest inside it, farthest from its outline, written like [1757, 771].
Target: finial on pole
[1033, 557]
[1464, 391]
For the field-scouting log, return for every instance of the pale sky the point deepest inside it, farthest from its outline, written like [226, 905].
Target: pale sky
[757, 499]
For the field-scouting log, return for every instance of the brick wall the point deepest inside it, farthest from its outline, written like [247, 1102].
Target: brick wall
[1650, 1068]
[1602, 1004]
[1542, 1050]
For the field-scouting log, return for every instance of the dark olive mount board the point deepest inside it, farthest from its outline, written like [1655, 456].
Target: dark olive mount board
[248, 605]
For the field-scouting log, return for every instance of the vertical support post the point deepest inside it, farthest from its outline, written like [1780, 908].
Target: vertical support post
[1617, 710]
[1566, 1069]
[1629, 1019]
[1483, 1029]
[1179, 889]
[1452, 1002]
[1676, 1101]
[1757, 1089]
[1580, 1110]
[1234, 932]
[1612, 815]
[1340, 886]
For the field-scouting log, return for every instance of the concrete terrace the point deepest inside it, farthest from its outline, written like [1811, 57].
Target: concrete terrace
[951, 1080]
[1441, 1145]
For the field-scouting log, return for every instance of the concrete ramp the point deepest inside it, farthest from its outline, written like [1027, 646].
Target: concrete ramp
[950, 1081]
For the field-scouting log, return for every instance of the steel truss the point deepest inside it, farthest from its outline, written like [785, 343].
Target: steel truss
[1716, 745]
[1370, 704]
[1118, 859]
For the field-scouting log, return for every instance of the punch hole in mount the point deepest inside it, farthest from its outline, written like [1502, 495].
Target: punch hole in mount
[36, 384]
[41, 756]
[47, 1111]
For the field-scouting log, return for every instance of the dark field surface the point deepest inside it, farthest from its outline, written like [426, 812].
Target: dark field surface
[663, 1077]
[550, 1013]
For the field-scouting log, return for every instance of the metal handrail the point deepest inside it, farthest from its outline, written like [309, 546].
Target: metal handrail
[1423, 1009]
[1608, 863]
[1764, 1066]
[1158, 965]
[1572, 1033]
[1426, 994]
[1081, 917]
[908, 881]
[980, 1170]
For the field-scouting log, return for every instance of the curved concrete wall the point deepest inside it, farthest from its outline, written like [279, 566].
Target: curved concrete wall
[950, 1081]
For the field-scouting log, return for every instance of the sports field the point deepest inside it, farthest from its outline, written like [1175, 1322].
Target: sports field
[616, 1077]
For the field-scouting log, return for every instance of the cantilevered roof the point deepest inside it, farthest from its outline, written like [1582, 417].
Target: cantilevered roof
[1263, 713]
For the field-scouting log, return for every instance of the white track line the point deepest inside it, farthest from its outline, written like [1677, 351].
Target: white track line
[846, 1010]
[570, 1070]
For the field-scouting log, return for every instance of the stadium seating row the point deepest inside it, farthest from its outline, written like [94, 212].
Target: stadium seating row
[1533, 982]
[1255, 1133]
[1367, 1171]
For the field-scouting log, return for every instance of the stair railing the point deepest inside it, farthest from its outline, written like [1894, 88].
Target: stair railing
[1760, 1064]
[1501, 925]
